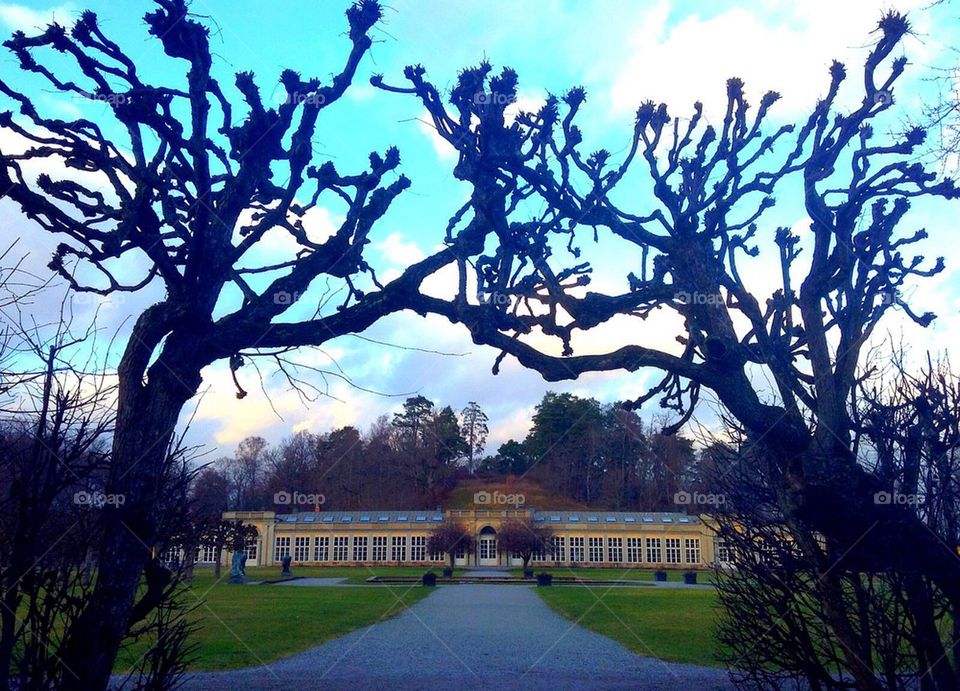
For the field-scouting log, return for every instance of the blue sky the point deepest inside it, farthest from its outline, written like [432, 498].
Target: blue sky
[622, 52]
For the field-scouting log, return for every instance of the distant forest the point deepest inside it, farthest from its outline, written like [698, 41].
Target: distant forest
[588, 453]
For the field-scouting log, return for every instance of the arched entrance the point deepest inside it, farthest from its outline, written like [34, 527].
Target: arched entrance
[487, 547]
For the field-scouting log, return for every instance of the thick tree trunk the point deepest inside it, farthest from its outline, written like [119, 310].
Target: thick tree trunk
[146, 419]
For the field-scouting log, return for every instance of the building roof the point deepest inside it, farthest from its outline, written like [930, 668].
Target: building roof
[362, 517]
[427, 516]
[622, 517]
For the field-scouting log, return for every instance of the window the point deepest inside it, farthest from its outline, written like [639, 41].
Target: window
[633, 550]
[360, 549]
[321, 549]
[380, 548]
[653, 550]
[673, 550]
[595, 545]
[615, 549]
[340, 548]
[171, 555]
[576, 549]
[281, 548]
[418, 548]
[251, 551]
[559, 550]
[208, 554]
[301, 548]
[538, 554]
[436, 556]
[691, 548]
[722, 551]
[399, 552]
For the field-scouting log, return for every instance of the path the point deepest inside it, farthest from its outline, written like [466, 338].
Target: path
[468, 637]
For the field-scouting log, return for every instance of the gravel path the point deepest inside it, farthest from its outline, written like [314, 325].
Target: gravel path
[469, 637]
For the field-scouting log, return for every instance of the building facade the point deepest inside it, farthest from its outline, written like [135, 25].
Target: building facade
[580, 538]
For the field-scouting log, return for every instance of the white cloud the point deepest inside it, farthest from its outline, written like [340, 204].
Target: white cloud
[21, 18]
[396, 250]
[775, 46]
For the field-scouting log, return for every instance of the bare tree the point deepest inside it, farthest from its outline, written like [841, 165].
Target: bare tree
[710, 191]
[181, 175]
[449, 538]
[525, 538]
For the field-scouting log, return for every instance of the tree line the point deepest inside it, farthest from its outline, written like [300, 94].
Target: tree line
[579, 450]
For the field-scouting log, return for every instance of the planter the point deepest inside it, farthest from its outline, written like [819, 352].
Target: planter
[544, 579]
[528, 573]
[660, 575]
[448, 573]
[429, 579]
[690, 577]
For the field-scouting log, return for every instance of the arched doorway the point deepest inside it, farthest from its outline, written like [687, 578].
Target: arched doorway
[487, 547]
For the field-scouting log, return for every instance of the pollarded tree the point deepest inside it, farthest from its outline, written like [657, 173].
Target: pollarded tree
[708, 191]
[194, 178]
[524, 538]
[448, 538]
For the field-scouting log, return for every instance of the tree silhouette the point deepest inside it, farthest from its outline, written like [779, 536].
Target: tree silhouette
[704, 194]
[198, 185]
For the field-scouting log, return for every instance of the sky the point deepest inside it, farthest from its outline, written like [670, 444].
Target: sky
[622, 52]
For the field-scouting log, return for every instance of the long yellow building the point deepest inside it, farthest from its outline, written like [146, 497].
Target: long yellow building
[581, 538]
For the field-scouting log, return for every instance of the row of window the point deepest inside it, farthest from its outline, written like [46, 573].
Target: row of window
[671, 550]
[651, 550]
[206, 554]
[364, 548]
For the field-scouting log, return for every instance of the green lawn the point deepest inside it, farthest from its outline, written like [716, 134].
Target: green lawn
[353, 574]
[616, 574]
[669, 624]
[243, 625]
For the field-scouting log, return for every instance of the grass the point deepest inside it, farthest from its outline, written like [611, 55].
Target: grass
[668, 624]
[616, 574]
[352, 574]
[246, 625]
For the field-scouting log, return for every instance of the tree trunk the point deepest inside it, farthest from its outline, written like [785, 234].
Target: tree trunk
[146, 418]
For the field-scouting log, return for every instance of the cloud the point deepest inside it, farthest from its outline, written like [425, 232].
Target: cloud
[26, 19]
[775, 46]
[396, 250]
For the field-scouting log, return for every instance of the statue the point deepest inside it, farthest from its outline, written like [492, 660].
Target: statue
[286, 566]
[238, 571]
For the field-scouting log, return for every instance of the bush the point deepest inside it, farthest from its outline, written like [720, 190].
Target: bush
[544, 579]
[659, 575]
[429, 579]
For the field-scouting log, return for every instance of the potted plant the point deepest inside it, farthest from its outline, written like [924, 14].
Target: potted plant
[429, 579]
[447, 572]
[544, 579]
[690, 577]
[528, 573]
[660, 575]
